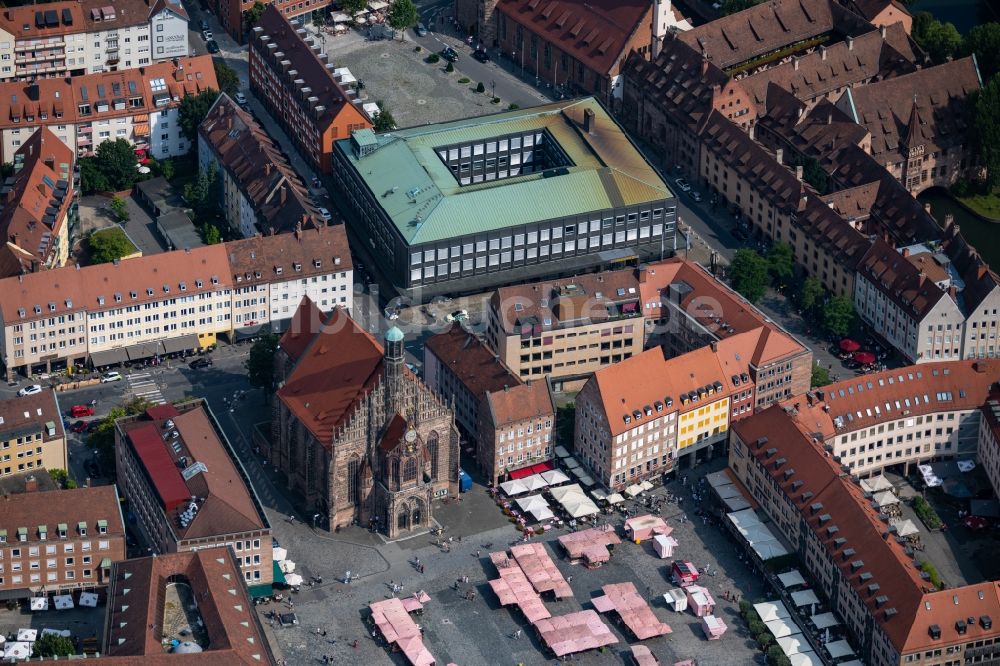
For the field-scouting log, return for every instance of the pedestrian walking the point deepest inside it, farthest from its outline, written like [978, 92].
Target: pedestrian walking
[354, 644]
[517, 634]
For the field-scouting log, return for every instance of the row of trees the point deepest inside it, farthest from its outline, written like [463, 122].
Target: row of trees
[942, 41]
[402, 13]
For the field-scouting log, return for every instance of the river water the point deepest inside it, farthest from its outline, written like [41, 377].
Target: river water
[984, 236]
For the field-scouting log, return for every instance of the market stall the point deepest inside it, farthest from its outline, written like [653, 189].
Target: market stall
[791, 578]
[700, 600]
[575, 632]
[676, 599]
[664, 546]
[713, 626]
[643, 527]
[633, 610]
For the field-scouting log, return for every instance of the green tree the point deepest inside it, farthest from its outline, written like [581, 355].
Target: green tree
[60, 477]
[352, 7]
[820, 376]
[480, 88]
[781, 263]
[260, 364]
[53, 645]
[565, 423]
[229, 80]
[6, 169]
[109, 244]
[92, 179]
[193, 109]
[102, 439]
[838, 316]
[986, 129]
[733, 6]
[116, 160]
[203, 195]
[810, 294]
[402, 15]
[252, 15]
[383, 120]
[167, 169]
[211, 234]
[983, 41]
[450, 67]
[749, 275]
[812, 172]
[939, 40]
[119, 208]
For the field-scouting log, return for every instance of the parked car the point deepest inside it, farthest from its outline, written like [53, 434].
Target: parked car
[324, 213]
[212, 46]
[203, 362]
[240, 98]
[449, 54]
[113, 376]
[30, 390]
[76, 411]
[458, 315]
[207, 35]
[78, 427]
[481, 55]
[683, 185]
[696, 195]
[421, 30]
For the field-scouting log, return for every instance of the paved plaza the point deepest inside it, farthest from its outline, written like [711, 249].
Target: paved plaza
[479, 631]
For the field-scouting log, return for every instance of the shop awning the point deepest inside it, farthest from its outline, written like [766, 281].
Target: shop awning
[260, 591]
[143, 350]
[279, 575]
[183, 343]
[521, 473]
[108, 357]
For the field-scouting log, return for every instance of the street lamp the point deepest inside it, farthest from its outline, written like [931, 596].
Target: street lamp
[493, 86]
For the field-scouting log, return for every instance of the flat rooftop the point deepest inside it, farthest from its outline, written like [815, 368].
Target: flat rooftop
[407, 174]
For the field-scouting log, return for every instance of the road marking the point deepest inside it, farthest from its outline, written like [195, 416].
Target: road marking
[143, 386]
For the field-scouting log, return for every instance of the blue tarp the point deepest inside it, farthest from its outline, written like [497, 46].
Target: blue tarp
[464, 481]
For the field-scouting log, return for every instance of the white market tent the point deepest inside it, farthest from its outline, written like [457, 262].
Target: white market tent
[758, 533]
[736, 503]
[571, 462]
[633, 490]
[783, 627]
[534, 482]
[791, 578]
[793, 644]
[728, 491]
[804, 598]
[531, 502]
[554, 477]
[293, 579]
[88, 599]
[615, 498]
[744, 518]
[771, 610]
[876, 484]
[286, 566]
[885, 498]
[676, 599]
[574, 500]
[824, 620]
[805, 659]
[29, 635]
[515, 487]
[768, 550]
[279, 554]
[646, 485]
[39, 603]
[17, 650]
[906, 528]
[838, 649]
[562, 452]
[587, 480]
[377, 5]
[63, 601]
[540, 513]
[598, 494]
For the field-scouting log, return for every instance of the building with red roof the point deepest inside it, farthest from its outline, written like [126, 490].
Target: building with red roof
[358, 436]
[870, 576]
[188, 489]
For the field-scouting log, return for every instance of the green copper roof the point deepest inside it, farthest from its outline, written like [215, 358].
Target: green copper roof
[426, 203]
[394, 335]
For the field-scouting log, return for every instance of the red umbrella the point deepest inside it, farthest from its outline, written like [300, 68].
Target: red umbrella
[975, 522]
[849, 345]
[864, 357]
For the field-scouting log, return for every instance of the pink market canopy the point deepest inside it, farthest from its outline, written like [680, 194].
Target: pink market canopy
[540, 569]
[591, 545]
[632, 609]
[575, 632]
[396, 626]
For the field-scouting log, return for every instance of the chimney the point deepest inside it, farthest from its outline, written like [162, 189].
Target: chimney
[30, 484]
[953, 292]
[795, 64]
[704, 65]
[715, 347]
[779, 155]
[882, 30]
[588, 120]
[798, 172]
[751, 130]
[905, 252]
[642, 274]
[829, 117]
[981, 271]
[267, 169]
[822, 52]
[927, 208]
[850, 43]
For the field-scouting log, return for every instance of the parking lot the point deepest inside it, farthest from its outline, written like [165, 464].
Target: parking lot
[479, 631]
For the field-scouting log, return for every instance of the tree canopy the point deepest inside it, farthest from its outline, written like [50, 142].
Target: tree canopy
[383, 120]
[781, 263]
[252, 15]
[229, 80]
[52, 645]
[103, 438]
[733, 6]
[810, 294]
[403, 15]
[110, 169]
[838, 316]
[984, 41]
[61, 477]
[192, 111]
[204, 195]
[939, 40]
[820, 376]
[986, 129]
[260, 364]
[107, 245]
[749, 274]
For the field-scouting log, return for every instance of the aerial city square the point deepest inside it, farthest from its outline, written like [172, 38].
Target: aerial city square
[500, 332]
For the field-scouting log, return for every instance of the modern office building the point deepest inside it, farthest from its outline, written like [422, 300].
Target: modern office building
[553, 190]
[70, 38]
[260, 193]
[138, 105]
[188, 489]
[295, 81]
[32, 436]
[169, 302]
[869, 576]
[58, 541]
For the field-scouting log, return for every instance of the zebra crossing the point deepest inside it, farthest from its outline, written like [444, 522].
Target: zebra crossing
[142, 385]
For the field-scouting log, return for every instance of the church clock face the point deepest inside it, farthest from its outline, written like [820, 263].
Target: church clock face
[410, 437]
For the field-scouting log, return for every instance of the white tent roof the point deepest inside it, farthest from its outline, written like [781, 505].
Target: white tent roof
[534, 482]
[574, 501]
[736, 503]
[541, 513]
[906, 527]
[791, 578]
[805, 659]
[885, 498]
[716, 479]
[793, 644]
[744, 518]
[824, 620]
[553, 477]
[727, 491]
[768, 550]
[558, 494]
[562, 452]
[278, 554]
[783, 627]
[839, 649]
[598, 494]
[633, 490]
[771, 610]
[571, 462]
[39, 603]
[757, 533]
[615, 498]
[515, 487]
[804, 598]
[646, 485]
[876, 484]
[531, 502]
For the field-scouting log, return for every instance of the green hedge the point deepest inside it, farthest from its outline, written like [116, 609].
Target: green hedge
[926, 513]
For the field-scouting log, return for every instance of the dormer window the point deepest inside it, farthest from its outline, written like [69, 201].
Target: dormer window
[278, 270]
[183, 286]
[81, 527]
[317, 263]
[149, 291]
[43, 532]
[297, 266]
[63, 530]
[199, 284]
[215, 279]
[102, 526]
[118, 297]
[100, 300]
[52, 307]
[133, 294]
[166, 289]
[22, 533]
